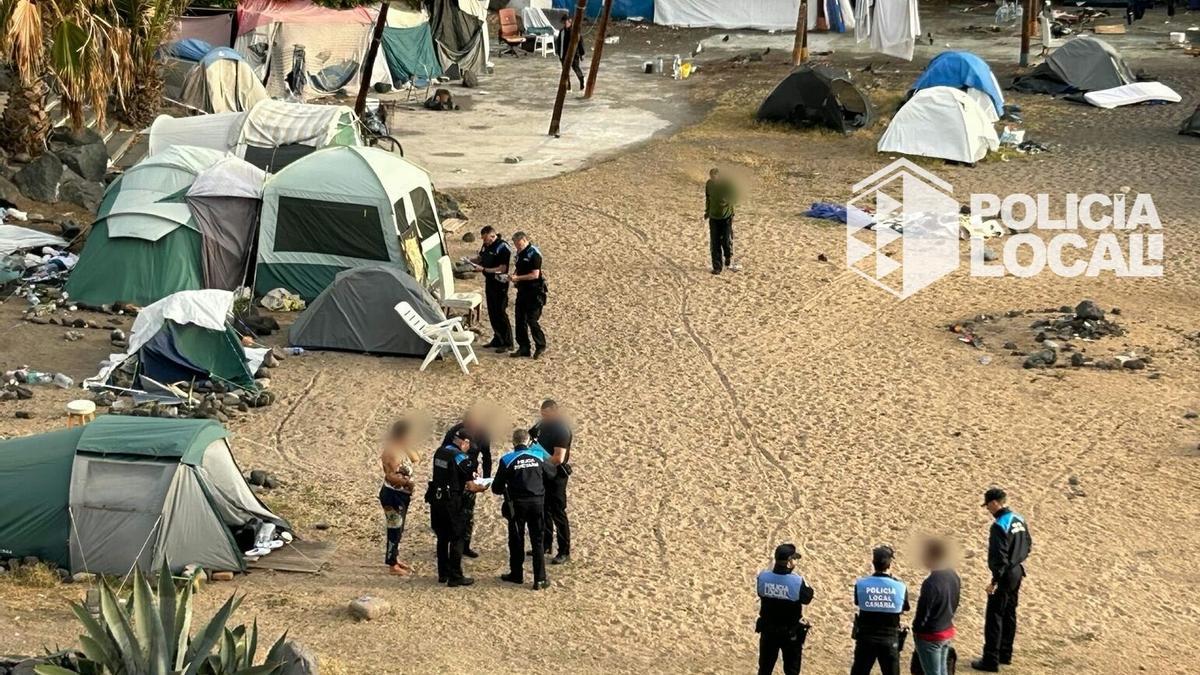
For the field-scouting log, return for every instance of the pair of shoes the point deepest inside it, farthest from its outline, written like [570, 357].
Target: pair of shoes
[503, 347]
[985, 665]
[561, 559]
[520, 354]
[716, 271]
[470, 553]
[442, 580]
[493, 344]
[1006, 660]
[538, 353]
[464, 581]
[539, 585]
[512, 578]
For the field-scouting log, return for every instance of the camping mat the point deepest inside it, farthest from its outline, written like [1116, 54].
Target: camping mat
[298, 556]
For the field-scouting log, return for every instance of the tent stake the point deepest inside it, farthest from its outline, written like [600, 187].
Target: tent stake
[598, 48]
[565, 76]
[800, 46]
[360, 103]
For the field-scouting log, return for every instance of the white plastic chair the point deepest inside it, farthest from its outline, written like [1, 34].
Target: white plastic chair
[1048, 40]
[450, 299]
[447, 335]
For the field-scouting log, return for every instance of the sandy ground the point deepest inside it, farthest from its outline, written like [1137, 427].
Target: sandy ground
[718, 416]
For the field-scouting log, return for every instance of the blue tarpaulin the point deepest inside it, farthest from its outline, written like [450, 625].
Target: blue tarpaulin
[961, 69]
[220, 53]
[622, 9]
[191, 49]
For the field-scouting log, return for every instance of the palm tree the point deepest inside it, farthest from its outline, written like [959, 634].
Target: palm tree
[74, 45]
[148, 24]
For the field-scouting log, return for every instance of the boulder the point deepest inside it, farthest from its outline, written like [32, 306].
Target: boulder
[40, 178]
[8, 191]
[1134, 364]
[80, 191]
[447, 206]
[271, 482]
[298, 659]
[367, 608]
[1088, 310]
[89, 161]
[64, 137]
[257, 477]
[1041, 359]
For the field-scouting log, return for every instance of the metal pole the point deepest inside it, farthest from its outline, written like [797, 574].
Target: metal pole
[1025, 23]
[564, 76]
[598, 48]
[800, 46]
[360, 103]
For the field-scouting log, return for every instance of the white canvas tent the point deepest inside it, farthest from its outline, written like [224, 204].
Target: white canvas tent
[941, 122]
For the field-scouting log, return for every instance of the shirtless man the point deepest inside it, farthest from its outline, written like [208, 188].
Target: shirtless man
[396, 492]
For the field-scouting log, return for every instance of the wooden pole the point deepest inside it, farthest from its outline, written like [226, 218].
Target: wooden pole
[598, 48]
[1028, 16]
[565, 75]
[800, 46]
[360, 103]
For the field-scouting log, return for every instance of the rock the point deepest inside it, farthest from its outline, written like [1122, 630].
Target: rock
[271, 482]
[117, 335]
[298, 660]
[1073, 480]
[72, 336]
[512, 159]
[64, 137]
[468, 237]
[9, 191]
[270, 360]
[30, 560]
[231, 400]
[1115, 311]
[89, 161]
[1041, 359]
[1088, 310]
[1010, 345]
[81, 192]
[1066, 309]
[1050, 344]
[83, 577]
[1190, 415]
[821, 257]
[64, 575]
[221, 576]
[321, 526]
[367, 608]
[40, 178]
[257, 477]
[120, 344]
[78, 323]
[1078, 359]
[23, 415]
[13, 564]
[23, 393]
[447, 206]
[1134, 364]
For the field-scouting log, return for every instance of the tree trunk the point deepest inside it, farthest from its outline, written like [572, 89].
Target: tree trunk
[144, 98]
[25, 124]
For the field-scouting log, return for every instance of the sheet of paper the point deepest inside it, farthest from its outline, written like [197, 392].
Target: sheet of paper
[485, 482]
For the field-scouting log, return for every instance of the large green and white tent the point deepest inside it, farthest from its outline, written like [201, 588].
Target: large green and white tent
[345, 207]
[124, 492]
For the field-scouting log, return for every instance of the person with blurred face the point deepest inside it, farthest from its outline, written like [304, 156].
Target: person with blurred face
[933, 623]
[396, 492]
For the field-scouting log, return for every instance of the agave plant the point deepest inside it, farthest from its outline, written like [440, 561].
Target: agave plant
[150, 634]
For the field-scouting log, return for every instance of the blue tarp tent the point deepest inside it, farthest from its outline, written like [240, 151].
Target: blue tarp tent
[622, 9]
[958, 70]
[191, 49]
[220, 53]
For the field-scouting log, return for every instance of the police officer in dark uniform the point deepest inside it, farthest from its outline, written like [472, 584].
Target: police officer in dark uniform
[1009, 544]
[782, 595]
[453, 477]
[480, 453]
[531, 297]
[553, 435]
[493, 260]
[521, 478]
[880, 599]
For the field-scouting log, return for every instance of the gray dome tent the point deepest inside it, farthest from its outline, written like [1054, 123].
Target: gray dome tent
[1083, 63]
[355, 314]
[818, 95]
[1191, 126]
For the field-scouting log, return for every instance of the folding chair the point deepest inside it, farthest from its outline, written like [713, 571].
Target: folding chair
[446, 336]
[511, 36]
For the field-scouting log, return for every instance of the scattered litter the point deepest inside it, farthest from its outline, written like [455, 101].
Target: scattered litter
[282, 300]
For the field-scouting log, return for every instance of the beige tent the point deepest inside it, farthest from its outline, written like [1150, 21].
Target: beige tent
[220, 82]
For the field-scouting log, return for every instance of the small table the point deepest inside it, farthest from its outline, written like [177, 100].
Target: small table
[80, 412]
[544, 44]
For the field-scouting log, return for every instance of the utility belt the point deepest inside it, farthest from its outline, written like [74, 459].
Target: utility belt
[901, 634]
[536, 289]
[797, 633]
[436, 494]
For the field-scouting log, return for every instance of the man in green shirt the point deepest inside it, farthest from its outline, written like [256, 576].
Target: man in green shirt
[719, 199]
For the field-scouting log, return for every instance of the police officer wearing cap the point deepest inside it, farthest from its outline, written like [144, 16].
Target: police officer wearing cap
[453, 477]
[521, 478]
[480, 453]
[880, 598]
[493, 260]
[1008, 547]
[781, 629]
[553, 435]
[531, 297]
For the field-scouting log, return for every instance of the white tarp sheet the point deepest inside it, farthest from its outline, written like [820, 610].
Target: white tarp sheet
[14, 238]
[218, 132]
[230, 177]
[892, 26]
[760, 14]
[1138, 92]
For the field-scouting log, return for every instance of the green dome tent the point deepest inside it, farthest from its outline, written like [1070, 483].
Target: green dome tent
[126, 491]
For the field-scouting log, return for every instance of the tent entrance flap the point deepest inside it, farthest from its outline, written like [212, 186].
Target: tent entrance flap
[116, 513]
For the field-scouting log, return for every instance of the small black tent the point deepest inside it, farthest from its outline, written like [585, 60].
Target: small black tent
[1191, 126]
[356, 313]
[818, 95]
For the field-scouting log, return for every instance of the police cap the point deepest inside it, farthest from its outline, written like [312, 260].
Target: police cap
[786, 552]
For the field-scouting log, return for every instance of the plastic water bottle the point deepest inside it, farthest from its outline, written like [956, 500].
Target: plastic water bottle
[62, 381]
[295, 351]
[38, 377]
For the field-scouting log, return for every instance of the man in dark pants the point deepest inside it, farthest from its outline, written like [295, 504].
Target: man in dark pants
[453, 477]
[493, 260]
[782, 595]
[531, 297]
[881, 599]
[562, 42]
[521, 478]
[480, 453]
[553, 435]
[719, 199]
[1009, 544]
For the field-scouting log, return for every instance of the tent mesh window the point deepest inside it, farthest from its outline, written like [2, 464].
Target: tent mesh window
[426, 219]
[330, 228]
